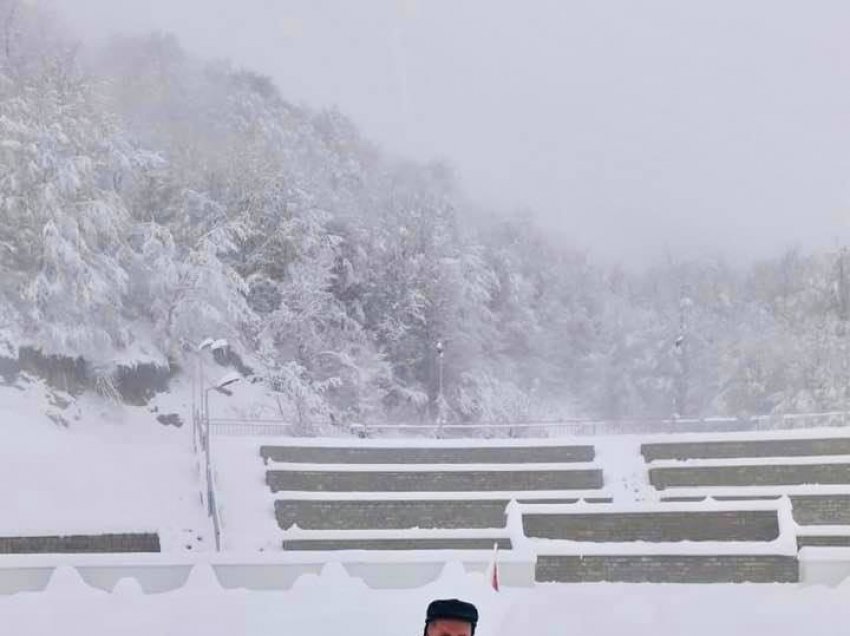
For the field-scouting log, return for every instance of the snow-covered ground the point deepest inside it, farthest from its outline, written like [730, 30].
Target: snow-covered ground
[335, 604]
[114, 468]
[246, 505]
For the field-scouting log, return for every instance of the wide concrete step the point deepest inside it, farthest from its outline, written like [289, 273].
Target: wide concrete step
[731, 525]
[756, 568]
[746, 448]
[750, 475]
[406, 455]
[397, 544]
[390, 514]
[80, 544]
[433, 481]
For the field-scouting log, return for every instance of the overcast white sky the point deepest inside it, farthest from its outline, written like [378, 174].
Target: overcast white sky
[634, 126]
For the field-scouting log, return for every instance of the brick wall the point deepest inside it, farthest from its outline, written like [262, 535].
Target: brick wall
[668, 569]
[80, 544]
[516, 455]
[348, 481]
[361, 515]
[749, 525]
[748, 448]
[768, 475]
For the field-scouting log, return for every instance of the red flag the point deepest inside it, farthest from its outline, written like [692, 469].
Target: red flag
[494, 579]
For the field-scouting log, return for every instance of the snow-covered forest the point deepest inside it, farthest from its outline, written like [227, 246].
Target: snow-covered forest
[151, 200]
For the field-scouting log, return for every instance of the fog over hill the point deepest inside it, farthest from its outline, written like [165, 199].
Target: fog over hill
[632, 129]
[152, 197]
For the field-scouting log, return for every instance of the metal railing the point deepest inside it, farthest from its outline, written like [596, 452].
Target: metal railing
[543, 428]
[201, 433]
[251, 428]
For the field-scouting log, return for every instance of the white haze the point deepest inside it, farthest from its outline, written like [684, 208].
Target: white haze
[636, 128]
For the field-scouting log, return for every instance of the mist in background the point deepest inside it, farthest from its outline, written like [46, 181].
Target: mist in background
[156, 194]
[637, 130]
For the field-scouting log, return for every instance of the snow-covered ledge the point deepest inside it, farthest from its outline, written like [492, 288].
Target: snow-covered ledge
[157, 573]
[824, 565]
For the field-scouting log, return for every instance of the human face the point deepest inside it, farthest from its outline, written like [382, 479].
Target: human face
[449, 627]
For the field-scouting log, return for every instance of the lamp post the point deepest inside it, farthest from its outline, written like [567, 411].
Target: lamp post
[440, 352]
[198, 415]
[212, 508]
[227, 380]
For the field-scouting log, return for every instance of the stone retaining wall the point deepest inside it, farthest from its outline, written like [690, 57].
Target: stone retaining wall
[459, 481]
[668, 569]
[807, 509]
[765, 475]
[71, 544]
[739, 525]
[748, 448]
[821, 510]
[481, 455]
[365, 515]
[805, 541]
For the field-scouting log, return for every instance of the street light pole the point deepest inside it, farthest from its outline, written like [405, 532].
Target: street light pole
[440, 351]
[212, 507]
[199, 412]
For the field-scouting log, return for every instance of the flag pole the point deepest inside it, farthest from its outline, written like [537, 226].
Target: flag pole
[494, 578]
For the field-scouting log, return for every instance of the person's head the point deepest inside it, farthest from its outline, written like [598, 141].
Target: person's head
[450, 617]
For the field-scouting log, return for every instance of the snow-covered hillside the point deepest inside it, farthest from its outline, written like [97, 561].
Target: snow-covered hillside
[150, 200]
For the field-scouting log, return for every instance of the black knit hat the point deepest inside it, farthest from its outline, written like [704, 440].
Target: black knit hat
[452, 609]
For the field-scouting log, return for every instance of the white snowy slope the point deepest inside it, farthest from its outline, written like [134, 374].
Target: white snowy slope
[113, 468]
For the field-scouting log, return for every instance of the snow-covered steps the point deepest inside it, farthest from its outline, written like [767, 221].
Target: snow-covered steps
[809, 469]
[784, 458]
[439, 496]
[669, 543]
[425, 484]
